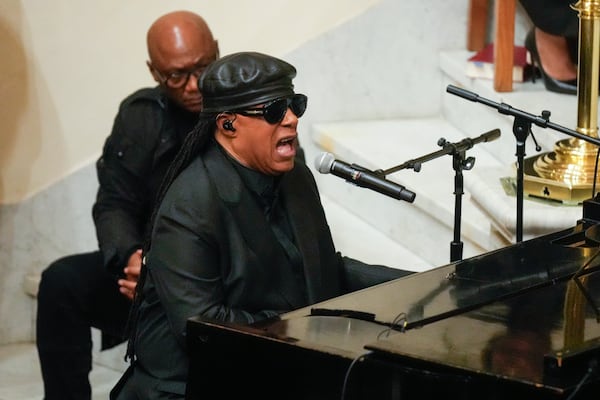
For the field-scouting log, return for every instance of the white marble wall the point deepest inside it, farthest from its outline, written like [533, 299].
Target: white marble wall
[381, 65]
[33, 233]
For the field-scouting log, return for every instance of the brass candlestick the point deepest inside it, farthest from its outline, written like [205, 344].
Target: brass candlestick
[567, 173]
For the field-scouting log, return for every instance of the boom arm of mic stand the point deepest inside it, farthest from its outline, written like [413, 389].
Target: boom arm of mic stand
[414, 164]
[542, 121]
[459, 163]
[449, 148]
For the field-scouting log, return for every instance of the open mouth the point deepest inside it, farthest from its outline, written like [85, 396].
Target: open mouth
[286, 147]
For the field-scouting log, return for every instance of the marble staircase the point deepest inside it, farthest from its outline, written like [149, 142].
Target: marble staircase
[426, 227]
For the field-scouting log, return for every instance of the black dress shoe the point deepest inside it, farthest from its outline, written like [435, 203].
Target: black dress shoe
[551, 84]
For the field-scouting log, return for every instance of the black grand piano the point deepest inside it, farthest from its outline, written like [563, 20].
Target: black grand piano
[519, 322]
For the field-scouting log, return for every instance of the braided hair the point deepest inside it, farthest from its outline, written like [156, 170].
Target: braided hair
[194, 144]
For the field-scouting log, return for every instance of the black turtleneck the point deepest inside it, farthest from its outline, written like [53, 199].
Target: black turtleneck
[265, 189]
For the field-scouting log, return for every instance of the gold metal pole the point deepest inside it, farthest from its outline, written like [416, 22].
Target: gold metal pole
[589, 59]
[567, 173]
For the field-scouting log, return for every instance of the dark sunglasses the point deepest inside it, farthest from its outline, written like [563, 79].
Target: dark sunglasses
[274, 111]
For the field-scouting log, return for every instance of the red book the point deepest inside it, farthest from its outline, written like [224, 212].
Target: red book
[481, 64]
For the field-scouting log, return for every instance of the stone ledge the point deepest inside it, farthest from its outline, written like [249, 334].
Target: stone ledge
[31, 283]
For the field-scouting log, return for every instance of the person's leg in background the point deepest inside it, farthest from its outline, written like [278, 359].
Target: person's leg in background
[75, 294]
[553, 42]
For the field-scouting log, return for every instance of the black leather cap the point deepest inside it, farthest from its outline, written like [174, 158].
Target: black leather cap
[241, 80]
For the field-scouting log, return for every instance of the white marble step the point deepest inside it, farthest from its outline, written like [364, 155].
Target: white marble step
[355, 238]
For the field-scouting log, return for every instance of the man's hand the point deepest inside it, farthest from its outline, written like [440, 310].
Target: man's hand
[132, 273]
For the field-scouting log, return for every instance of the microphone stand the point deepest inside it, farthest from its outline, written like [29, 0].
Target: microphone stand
[459, 163]
[521, 129]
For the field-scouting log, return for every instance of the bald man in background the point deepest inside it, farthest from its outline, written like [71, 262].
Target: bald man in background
[95, 289]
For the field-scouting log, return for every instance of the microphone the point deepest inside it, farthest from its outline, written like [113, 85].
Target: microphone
[326, 163]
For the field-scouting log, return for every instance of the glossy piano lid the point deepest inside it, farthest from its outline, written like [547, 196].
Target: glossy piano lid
[511, 315]
[469, 284]
[544, 338]
[514, 313]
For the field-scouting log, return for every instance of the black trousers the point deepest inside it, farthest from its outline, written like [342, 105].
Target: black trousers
[75, 294]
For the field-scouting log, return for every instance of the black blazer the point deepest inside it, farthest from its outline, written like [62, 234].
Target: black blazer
[214, 254]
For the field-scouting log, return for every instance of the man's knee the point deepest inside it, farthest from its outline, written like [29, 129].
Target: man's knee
[68, 273]
[53, 278]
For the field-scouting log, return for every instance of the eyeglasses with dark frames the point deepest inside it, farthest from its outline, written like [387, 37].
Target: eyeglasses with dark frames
[274, 111]
[179, 79]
